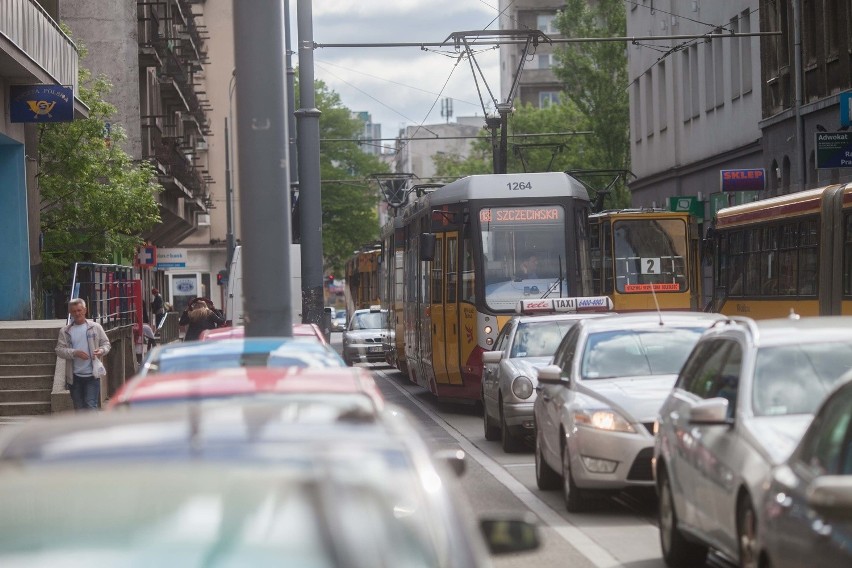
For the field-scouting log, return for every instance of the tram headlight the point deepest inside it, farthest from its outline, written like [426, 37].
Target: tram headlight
[489, 341]
[488, 329]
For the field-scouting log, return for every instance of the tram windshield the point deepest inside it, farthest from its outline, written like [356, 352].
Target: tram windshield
[650, 253]
[523, 253]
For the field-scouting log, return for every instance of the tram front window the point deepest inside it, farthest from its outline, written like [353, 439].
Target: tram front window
[523, 253]
[650, 253]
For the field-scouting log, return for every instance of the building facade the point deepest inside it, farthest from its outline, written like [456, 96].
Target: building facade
[695, 108]
[801, 92]
[33, 50]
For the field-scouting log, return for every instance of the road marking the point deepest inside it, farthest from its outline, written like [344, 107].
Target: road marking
[572, 534]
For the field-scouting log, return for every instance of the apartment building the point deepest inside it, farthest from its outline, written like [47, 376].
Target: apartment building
[537, 85]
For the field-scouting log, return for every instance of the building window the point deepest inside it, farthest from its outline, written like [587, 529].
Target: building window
[661, 95]
[545, 61]
[719, 71]
[694, 82]
[809, 33]
[649, 104]
[745, 52]
[548, 98]
[735, 58]
[686, 95]
[637, 113]
[709, 76]
[831, 29]
[546, 23]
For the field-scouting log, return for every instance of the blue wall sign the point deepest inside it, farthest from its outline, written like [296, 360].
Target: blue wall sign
[41, 103]
[846, 109]
[743, 180]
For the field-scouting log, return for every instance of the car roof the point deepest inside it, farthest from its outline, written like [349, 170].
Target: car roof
[787, 331]
[650, 319]
[244, 381]
[239, 331]
[189, 431]
[558, 317]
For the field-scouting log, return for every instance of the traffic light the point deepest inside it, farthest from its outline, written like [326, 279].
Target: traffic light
[222, 278]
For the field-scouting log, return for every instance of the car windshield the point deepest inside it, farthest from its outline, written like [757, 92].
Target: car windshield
[368, 320]
[622, 353]
[794, 379]
[539, 339]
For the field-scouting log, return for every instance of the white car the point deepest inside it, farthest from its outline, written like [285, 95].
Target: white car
[509, 377]
[740, 405]
[597, 403]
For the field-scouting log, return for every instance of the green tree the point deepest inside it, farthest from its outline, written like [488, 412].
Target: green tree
[95, 201]
[349, 197]
[595, 82]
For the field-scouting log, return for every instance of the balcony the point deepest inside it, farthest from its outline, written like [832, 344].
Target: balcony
[32, 45]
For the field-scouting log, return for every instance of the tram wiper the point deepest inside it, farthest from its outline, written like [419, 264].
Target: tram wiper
[558, 282]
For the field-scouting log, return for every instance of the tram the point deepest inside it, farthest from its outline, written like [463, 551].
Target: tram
[788, 252]
[645, 259]
[361, 271]
[458, 259]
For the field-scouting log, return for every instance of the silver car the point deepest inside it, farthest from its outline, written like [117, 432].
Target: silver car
[807, 512]
[363, 338]
[596, 404]
[510, 374]
[740, 405]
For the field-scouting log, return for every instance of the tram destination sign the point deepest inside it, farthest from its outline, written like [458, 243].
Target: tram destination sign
[834, 150]
[548, 214]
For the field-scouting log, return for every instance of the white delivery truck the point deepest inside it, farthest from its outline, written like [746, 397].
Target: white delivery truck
[234, 300]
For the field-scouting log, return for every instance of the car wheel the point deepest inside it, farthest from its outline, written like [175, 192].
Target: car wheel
[546, 478]
[576, 499]
[677, 550]
[492, 433]
[509, 442]
[747, 534]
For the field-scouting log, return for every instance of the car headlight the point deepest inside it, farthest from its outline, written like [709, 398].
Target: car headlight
[522, 387]
[603, 419]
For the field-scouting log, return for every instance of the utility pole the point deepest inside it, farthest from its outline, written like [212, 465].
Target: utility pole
[310, 196]
[291, 115]
[262, 152]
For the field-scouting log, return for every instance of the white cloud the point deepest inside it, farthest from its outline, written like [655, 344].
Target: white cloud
[399, 85]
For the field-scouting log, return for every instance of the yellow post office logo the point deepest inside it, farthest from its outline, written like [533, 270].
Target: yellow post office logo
[41, 108]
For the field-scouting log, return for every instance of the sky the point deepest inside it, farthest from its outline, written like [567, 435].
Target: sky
[400, 86]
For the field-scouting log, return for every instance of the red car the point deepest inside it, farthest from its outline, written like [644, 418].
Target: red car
[327, 385]
[239, 331]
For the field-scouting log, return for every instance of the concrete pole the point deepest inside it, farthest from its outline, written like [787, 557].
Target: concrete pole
[310, 196]
[229, 202]
[263, 173]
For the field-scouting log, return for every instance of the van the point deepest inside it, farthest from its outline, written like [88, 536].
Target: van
[234, 312]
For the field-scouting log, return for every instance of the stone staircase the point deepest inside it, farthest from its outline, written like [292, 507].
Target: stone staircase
[27, 365]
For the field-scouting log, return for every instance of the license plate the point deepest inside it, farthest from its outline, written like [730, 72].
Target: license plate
[376, 349]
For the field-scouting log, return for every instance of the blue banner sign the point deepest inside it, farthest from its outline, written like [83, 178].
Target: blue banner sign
[846, 109]
[41, 103]
[743, 180]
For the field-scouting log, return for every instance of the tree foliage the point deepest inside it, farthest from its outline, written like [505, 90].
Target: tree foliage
[95, 201]
[595, 82]
[349, 197]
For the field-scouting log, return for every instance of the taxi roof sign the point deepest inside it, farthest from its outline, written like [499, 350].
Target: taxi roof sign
[562, 305]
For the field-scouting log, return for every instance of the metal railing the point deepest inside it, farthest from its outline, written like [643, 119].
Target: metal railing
[28, 26]
[109, 292]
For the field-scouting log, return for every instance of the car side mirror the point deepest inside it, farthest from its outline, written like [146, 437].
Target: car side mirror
[831, 497]
[492, 357]
[710, 412]
[455, 459]
[550, 375]
[507, 535]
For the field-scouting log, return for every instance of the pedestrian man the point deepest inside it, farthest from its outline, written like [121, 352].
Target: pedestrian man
[79, 344]
[158, 306]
